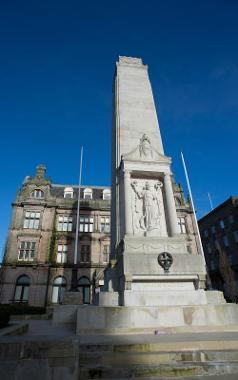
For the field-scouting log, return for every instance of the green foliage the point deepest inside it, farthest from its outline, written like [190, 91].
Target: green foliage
[20, 309]
[4, 317]
[52, 248]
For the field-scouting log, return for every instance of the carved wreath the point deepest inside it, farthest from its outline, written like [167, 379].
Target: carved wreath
[165, 260]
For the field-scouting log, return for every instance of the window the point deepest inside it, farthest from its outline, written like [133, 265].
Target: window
[222, 224]
[205, 233]
[22, 289]
[212, 265]
[87, 193]
[85, 253]
[59, 286]
[84, 288]
[37, 193]
[26, 251]
[105, 224]
[225, 241]
[235, 234]
[62, 252]
[32, 220]
[86, 224]
[68, 192]
[65, 223]
[106, 195]
[106, 251]
[209, 249]
[231, 219]
[213, 229]
[182, 225]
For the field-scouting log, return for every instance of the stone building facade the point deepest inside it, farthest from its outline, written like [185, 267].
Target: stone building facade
[219, 234]
[39, 257]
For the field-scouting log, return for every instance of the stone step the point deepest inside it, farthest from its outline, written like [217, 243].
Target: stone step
[171, 295]
[160, 357]
[102, 320]
[161, 330]
[209, 377]
[164, 346]
[178, 371]
[155, 358]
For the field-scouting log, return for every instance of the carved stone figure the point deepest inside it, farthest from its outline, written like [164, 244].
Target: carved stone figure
[145, 147]
[148, 216]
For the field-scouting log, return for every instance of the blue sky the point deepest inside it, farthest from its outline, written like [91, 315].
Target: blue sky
[57, 62]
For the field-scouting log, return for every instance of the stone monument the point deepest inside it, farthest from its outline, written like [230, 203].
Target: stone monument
[153, 266]
[153, 281]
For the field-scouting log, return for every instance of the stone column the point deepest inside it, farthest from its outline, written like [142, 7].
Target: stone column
[170, 206]
[128, 212]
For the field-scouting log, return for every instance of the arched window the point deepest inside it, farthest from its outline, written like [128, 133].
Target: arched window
[106, 195]
[37, 193]
[22, 289]
[59, 286]
[88, 193]
[84, 288]
[68, 192]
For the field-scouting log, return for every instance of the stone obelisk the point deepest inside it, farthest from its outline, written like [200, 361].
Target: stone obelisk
[151, 263]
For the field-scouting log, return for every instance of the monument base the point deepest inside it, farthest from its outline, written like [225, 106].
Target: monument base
[163, 298]
[212, 313]
[119, 320]
[140, 279]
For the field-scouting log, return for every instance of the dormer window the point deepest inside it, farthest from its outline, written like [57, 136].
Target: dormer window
[106, 195]
[37, 193]
[68, 192]
[88, 193]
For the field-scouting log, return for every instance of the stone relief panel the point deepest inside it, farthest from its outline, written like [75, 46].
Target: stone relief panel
[147, 208]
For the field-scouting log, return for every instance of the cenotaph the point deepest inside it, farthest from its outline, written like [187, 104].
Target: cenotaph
[152, 282]
[153, 266]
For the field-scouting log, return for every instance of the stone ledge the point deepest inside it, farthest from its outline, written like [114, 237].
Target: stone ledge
[15, 329]
[107, 318]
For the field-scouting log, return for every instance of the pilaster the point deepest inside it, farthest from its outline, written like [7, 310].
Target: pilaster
[170, 206]
[127, 192]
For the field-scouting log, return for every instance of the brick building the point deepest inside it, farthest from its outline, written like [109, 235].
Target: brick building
[219, 233]
[39, 256]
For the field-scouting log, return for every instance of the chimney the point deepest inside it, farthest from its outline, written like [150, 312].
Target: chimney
[40, 171]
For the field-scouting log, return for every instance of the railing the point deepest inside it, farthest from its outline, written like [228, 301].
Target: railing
[18, 302]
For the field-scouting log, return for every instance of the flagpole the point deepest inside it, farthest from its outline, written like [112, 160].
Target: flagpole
[193, 208]
[210, 200]
[78, 210]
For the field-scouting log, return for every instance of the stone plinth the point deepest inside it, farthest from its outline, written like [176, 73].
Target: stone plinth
[143, 281]
[65, 314]
[109, 320]
[73, 298]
